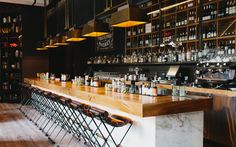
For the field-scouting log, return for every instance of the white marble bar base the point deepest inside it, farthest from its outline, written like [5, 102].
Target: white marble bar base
[175, 130]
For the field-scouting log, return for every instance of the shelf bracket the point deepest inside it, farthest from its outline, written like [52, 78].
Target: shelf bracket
[228, 27]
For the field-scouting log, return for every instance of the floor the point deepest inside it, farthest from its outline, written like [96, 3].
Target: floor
[17, 131]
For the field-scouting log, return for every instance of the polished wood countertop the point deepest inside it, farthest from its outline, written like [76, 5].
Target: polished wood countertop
[203, 90]
[139, 105]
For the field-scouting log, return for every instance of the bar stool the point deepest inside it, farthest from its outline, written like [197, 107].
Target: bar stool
[83, 131]
[32, 103]
[51, 114]
[114, 121]
[95, 114]
[55, 119]
[45, 108]
[117, 121]
[26, 93]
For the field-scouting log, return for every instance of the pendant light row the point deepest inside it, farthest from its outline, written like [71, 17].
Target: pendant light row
[126, 16]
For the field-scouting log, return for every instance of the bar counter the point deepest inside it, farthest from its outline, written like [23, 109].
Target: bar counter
[180, 119]
[139, 105]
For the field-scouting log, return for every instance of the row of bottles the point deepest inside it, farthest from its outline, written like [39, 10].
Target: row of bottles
[209, 31]
[192, 18]
[230, 7]
[181, 20]
[227, 47]
[147, 40]
[209, 12]
[11, 19]
[182, 36]
[170, 54]
[11, 24]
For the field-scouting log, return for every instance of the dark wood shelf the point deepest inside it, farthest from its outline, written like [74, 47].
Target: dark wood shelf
[146, 64]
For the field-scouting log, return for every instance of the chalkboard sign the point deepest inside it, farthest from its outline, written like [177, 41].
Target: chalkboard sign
[105, 43]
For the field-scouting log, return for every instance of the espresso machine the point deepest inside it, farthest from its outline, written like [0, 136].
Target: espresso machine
[219, 75]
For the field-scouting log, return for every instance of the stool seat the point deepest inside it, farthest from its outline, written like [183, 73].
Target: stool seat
[117, 120]
[46, 93]
[96, 112]
[75, 104]
[64, 100]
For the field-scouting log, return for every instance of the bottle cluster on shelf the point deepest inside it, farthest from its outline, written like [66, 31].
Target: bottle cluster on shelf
[11, 24]
[209, 11]
[181, 24]
[209, 31]
[10, 58]
[225, 52]
[227, 8]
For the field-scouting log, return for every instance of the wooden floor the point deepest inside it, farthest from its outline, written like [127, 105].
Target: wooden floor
[17, 131]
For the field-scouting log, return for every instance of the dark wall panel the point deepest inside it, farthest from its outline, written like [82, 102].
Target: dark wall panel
[33, 31]
[34, 64]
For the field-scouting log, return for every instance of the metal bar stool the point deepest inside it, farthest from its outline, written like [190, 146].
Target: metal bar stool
[114, 121]
[39, 104]
[51, 114]
[33, 104]
[83, 130]
[26, 93]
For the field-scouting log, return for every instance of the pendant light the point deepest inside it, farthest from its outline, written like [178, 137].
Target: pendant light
[128, 16]
[41, 46]
[74, 35]
[50, 43]
[60, 40]
[95, 28]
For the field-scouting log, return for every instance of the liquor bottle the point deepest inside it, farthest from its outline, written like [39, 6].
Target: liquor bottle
[192, 33]
[176, 55]
[128, 32]
[189, 55]
[180, 56]
[134, 31]
[183, 55]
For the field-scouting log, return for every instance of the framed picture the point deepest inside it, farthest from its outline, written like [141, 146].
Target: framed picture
[105, 43]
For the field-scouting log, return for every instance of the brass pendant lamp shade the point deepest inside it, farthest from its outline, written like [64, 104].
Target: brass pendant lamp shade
[50, 43]
[128, 17]
[95, 28]
[41, 46]
[60, 40]
[74, 35]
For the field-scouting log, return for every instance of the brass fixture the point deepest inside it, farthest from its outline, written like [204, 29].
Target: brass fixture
[95, 28]
[74, 35]
[60, 40]
[128, 16]
[41, 46]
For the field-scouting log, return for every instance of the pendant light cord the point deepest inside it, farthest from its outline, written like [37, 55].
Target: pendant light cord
[45, 19]
[94, 3]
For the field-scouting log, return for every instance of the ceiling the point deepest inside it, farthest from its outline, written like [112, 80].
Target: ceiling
[26, 2]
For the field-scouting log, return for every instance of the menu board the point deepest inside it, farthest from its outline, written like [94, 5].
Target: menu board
[105, 43]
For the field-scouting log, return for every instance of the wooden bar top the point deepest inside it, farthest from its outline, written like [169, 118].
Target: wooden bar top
[139, 105]
[204, 90]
